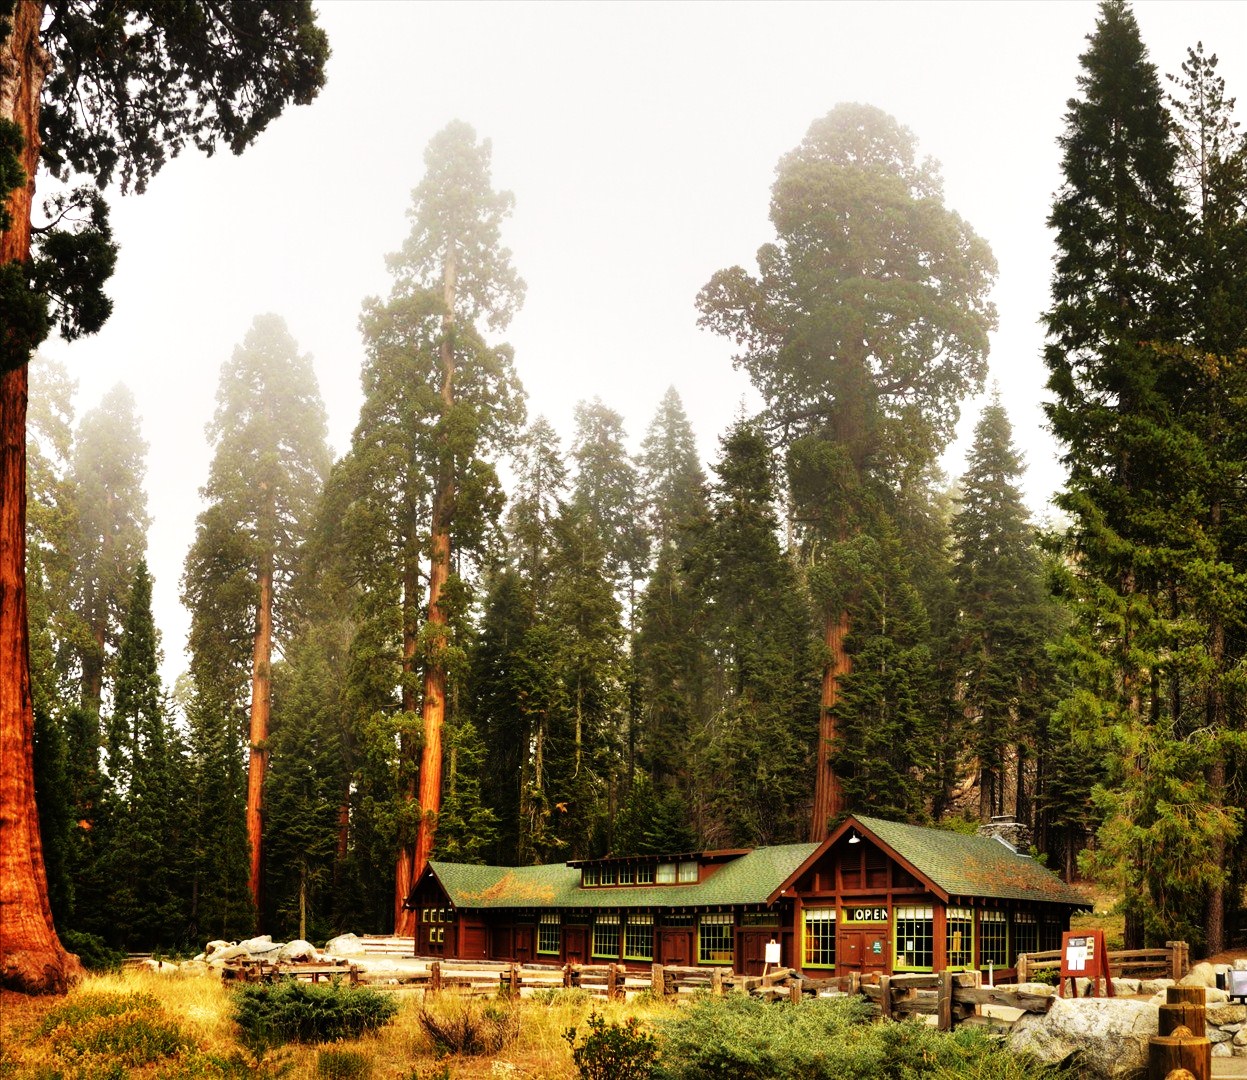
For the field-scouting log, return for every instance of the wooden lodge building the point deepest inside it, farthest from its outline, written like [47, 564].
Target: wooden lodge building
[874, 897]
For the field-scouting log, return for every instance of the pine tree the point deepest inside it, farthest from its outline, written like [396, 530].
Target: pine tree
[269, 465]
[1005, 619]
[419, 483]
[540, 486]
[865, 326]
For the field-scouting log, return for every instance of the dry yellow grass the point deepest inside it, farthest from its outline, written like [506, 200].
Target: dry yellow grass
[200, 1005]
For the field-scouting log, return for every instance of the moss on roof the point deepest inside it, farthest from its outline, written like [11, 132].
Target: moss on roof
[749, 879]
[968, 865]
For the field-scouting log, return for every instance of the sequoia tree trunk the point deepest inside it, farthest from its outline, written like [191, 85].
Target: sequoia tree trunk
[261, 699]
[32, 958]
[405, 920]
[828, 796]
[439, 573]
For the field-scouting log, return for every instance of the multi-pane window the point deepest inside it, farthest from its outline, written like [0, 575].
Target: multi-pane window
[714, 939]
[1050, 932]
[760, 918]
[607, 875]
[820, 937]
[688, 870]
[590, 875]
[959, 939]
[666, 873]
[645, 874]
[993, 939]
[915, 938]
[625, 875]
[1025, 933]
[606, 936]
[548, 934]
[639, 937]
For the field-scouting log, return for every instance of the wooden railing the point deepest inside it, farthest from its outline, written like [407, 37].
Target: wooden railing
[953, 997]
[1171, 962]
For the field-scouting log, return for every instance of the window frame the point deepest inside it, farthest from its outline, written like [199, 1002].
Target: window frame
[919, 921]
[829, 924]
[717, 920]
[604, 921]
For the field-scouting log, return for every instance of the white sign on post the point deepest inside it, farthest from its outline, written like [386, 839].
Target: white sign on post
[772, 952]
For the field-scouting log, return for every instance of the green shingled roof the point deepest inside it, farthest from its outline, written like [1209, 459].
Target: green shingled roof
[749, 879]
[965, 865]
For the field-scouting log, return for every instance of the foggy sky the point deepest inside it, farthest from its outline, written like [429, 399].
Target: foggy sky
[640, 141]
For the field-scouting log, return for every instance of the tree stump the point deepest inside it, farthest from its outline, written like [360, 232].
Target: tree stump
[1178, 1051]
[1184, 1007]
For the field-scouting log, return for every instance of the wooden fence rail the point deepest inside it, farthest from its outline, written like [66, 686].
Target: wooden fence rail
[1172, 961]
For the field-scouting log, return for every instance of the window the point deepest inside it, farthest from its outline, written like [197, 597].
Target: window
[959, 938]
[589, 875]
[625, 875]
[666, 873]
[1025, 933]
[714, 939]
[606, 936]
[606, 875]
[639, 937]
[993, 939]
[645, 874]
[820, 937]
[915, 939]
[760, 918]
[688, 870]
[1050, 933]
[548, 934]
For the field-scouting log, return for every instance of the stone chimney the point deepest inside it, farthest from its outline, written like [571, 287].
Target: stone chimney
[1007, 829]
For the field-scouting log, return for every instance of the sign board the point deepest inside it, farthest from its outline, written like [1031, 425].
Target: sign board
[864, 914]
[1083, 956]
[772, 953]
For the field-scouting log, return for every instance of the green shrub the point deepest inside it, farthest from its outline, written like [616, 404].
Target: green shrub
[470, 1029]
[614, 1051]
[106, 1034]
[339, 1064]
[292, 1011]
[94, 952]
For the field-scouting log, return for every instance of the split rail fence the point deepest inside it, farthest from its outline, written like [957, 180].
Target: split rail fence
[1172, 962]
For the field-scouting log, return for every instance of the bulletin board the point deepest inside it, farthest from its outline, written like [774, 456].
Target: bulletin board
[1083, 956]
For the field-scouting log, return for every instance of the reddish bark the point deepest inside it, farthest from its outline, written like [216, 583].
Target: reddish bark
[257, 766]
[828, 796]
[405, 920]
[32, 958]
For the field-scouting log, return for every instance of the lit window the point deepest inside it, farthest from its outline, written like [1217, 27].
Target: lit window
[993, 939]
[959, 938]
[606, 936]
[714, 939]
[639, 937]
[548, 934]
[820, 937]
[666, 873]
[688, 870]
[608, 875]
[915, 939]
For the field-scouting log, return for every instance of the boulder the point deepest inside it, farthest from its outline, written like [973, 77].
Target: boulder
[228, 952]
[1200, 975]
[1109, 1035]
[1038, 989]
[297, 950]
[1222, 1050]
[1125, 987]
[1154, 986]
[1240, 1038]
[212, 947]
[344, 945]
[1227, 1014]
[259, 946]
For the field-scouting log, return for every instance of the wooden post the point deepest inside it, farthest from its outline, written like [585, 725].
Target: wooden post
[1184, 1007]
[656, 981]
[794, 992]
[435, 977]
[1177, 1051]
[1179, 959]
[513, 981]
[1023, 974]
[885, 999]
[567, 975]
[612, 980]
[944, 1002]
[855, 983]
[716, 982]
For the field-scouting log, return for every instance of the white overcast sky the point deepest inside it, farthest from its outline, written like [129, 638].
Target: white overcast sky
[640, 141]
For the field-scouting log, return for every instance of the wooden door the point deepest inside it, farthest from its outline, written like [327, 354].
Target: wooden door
[675, 947]
[523, 944]
[575, 940]
[751, 950]
[500, 943]
[864, 951]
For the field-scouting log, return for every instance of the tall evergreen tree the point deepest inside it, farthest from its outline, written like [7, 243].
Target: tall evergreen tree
[270, 462]
[865, 326]
[419, 483]
[1005, 620]
[110, 532]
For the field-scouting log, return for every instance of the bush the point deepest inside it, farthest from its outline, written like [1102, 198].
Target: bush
[292, 1011]
[614, 1051]
[104, 1035]
[469, 1029]
[94, 952]
[343, 1064]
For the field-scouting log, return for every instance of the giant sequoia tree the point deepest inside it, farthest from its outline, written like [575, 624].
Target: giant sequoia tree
[418, 487]
[864, 327]
[266, 476]
[71, 76]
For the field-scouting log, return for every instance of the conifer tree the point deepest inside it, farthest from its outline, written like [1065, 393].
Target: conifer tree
[109, 535]
[540, 486]
[269, 465]
[418, 486]
[865, 326]
[1005, 619]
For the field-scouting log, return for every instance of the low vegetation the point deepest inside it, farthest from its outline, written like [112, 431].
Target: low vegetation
[169, 1027]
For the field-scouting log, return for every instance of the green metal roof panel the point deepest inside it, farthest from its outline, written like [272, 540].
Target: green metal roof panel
[967, 865]
[749, 879]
